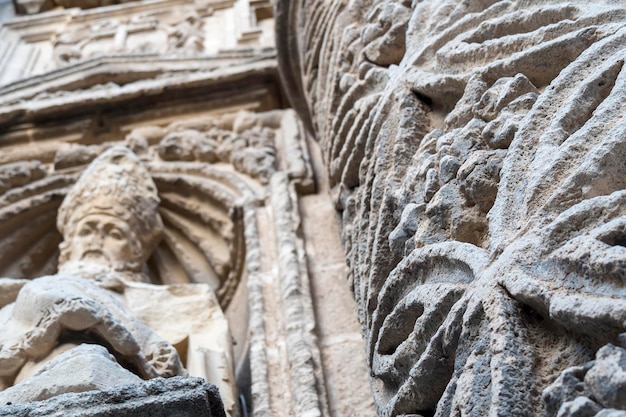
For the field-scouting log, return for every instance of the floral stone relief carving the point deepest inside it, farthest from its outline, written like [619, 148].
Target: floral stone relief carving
[143, 33]
[475, 150]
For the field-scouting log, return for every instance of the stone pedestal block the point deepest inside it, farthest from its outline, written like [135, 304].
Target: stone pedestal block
[173, 397]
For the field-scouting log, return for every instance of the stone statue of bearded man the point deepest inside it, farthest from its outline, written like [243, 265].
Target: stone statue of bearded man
[109, 220]
[57, 326]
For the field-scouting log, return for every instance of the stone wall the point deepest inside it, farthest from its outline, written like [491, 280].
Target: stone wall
[475, 152]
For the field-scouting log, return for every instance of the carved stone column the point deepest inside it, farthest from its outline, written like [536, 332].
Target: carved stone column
[476, 154]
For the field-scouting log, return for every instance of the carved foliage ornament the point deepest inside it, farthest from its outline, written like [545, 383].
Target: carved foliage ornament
[478, 162]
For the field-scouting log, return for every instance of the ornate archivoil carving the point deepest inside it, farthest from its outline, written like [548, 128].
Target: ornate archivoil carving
[476, 152]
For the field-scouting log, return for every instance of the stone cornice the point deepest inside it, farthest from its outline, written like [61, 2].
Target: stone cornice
[97, 7]
[109, 80]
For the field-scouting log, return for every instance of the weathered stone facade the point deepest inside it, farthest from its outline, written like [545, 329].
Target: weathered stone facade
[164, 213]
[475, 150]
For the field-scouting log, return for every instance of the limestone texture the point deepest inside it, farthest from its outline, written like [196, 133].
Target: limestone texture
[475, 153]
[92, 368]
[196, 250]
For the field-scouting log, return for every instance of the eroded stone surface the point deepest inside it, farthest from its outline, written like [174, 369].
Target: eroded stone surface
[475, 155]
[185, 397]
[92, 368]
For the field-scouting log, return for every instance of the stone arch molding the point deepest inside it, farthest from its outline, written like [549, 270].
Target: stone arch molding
[32, 239]
[475, 150]
[208, 172]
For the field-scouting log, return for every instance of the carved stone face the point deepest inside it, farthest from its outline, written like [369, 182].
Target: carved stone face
[103, 239]
[109, 219]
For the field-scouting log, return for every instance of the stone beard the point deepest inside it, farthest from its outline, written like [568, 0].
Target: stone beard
[104, 248]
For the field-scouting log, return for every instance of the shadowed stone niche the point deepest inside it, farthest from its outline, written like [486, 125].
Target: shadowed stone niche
[77, 330]
[475, 151]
